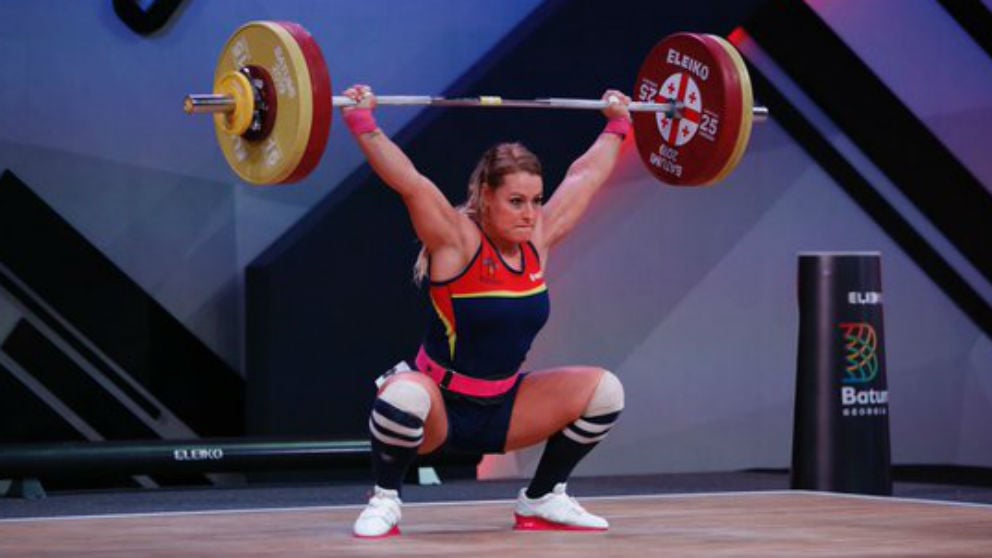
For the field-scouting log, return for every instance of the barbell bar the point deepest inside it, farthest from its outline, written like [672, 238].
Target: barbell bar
[208, 103]
[272, 105]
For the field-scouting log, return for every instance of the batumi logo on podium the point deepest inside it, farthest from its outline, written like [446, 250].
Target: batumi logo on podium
[861, 348]
[861, 367]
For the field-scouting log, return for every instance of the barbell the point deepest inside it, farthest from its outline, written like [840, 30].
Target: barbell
[272, 105]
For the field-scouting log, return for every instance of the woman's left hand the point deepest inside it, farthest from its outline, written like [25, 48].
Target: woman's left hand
[617, 104]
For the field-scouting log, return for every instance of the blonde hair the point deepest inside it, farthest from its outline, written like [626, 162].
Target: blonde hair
[496, 163]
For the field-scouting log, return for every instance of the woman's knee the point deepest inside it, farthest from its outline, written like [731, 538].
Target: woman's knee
[407, 394]
[420, 396]
[608, 397]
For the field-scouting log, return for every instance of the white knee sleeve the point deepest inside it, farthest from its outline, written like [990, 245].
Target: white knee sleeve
[601, 413]
[398, 414]
[409, 397]
[608, 397]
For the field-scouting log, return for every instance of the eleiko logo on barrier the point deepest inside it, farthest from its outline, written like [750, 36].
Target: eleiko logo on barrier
[864, 297]
[198, 454]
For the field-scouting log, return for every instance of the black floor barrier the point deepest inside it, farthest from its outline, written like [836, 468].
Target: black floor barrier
[30, 467]
[176, 456]
[25, 463]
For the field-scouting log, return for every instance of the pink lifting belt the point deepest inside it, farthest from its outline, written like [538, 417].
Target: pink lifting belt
[460, 383]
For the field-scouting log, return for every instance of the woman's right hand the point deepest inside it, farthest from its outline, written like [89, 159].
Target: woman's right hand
[361, 94]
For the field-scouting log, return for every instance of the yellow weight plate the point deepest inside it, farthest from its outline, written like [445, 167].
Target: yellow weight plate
[747, 107]
[269, 47]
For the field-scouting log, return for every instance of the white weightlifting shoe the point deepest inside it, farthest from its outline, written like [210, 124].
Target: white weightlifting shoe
[381, 516]
[555, 511]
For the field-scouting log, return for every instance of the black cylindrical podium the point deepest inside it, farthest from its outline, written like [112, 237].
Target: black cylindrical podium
[840, 438]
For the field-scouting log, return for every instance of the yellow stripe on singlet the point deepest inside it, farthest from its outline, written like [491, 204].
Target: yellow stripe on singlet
[503, 294]
[449, 331]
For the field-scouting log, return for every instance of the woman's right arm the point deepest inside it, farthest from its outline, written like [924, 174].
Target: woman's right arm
[438, 225]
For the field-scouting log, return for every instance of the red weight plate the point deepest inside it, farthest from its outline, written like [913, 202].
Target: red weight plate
[320, 80]
[692, 148]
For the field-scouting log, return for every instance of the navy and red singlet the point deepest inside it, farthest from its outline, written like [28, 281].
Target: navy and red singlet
[485, 319]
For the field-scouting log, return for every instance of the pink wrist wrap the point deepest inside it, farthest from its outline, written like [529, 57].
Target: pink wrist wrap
[360, 121]
[619, 126]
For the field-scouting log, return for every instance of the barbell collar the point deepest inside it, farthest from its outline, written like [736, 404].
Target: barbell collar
[208, 103]
[760, 114]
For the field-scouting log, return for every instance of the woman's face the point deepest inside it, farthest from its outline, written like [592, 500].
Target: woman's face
[513, 209]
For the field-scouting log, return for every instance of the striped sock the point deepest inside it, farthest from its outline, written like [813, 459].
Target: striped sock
[565, 449]
[396, 435]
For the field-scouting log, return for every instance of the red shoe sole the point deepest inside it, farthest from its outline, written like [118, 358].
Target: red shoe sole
[525, 523]
[394, 532]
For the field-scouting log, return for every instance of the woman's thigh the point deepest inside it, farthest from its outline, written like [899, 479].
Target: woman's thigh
[548, 401]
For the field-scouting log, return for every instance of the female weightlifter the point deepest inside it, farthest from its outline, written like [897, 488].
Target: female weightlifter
[484, 266]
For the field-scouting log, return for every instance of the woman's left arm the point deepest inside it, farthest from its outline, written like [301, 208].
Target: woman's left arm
[587, 173]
